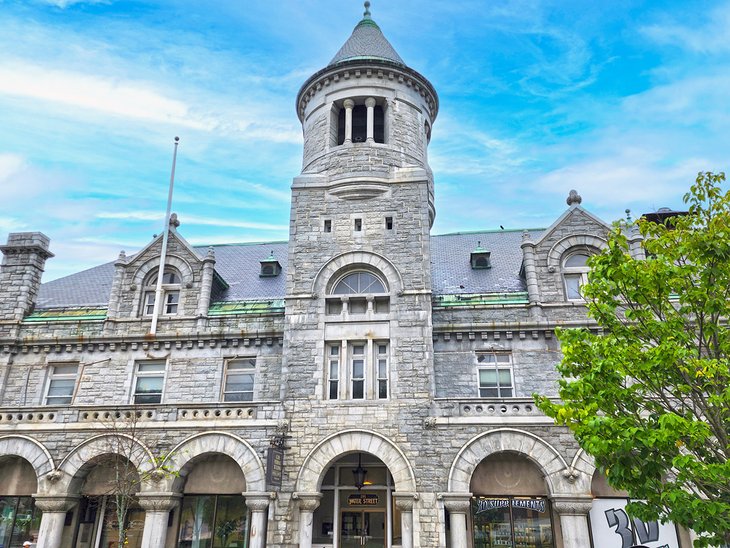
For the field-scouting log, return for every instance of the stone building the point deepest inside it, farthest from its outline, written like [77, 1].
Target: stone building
[364, 384]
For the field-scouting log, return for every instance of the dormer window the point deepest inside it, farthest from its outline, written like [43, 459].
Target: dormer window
[170, 293]
[480, 258]
[270, 267]
[360, 121]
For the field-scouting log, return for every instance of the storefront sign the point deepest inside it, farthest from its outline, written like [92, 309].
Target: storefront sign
[274, 466]
[612, 527]
[484, 505]
[362, 499]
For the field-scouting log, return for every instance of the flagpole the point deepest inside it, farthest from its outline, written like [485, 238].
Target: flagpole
[163, 252]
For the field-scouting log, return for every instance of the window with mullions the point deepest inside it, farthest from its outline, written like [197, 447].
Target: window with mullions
[362, 365]
[148, 382]
[19, 520]
[170, 294]
[239, 379]
[360, 124]
[575, 275]
[61, 383]
[359, 283]
[495, 375]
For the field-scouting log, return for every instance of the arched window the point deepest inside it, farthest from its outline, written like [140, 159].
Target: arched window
[170, 293]
[575, 274]
[358, 283]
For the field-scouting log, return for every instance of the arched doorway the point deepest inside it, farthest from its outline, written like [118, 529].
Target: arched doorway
[213, 511]
[357, 506]
[510, 506]
[19, 518]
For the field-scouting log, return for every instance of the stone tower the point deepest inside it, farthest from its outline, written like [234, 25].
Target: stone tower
[364, 203]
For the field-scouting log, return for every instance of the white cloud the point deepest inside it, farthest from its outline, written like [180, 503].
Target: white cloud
[707, 38]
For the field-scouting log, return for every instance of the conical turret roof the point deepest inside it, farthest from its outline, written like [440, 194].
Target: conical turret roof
[367, 42]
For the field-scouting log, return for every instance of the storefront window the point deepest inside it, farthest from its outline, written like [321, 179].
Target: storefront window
[19, 521]
[515, 522]
[213, 521]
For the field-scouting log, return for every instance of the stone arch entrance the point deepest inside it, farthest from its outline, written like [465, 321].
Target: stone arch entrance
[346, 451]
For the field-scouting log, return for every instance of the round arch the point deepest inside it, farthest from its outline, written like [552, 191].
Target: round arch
[29, 449]
[222, 443]
[352, 260]
[584, 241]
[351, 441]
[544, 455]
[77, 463]
[151, 266]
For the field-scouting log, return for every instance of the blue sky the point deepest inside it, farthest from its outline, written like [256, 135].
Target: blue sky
[624, 101]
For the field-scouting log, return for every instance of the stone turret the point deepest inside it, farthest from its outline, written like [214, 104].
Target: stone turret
[24, 257]
[366, 113]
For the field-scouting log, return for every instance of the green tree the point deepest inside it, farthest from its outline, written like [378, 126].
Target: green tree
[649, 397]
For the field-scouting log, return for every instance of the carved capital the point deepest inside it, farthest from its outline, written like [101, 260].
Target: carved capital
[258, 501]
[370, 102]
[158, 502]
[573, 506]
[49, 503]
[308, 502]
[429, 423]
[404, 501]
[457, 503]
[348, 103]
[53, 476]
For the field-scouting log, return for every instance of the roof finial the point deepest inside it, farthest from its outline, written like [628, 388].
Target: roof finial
[574, 198]
[367, 9]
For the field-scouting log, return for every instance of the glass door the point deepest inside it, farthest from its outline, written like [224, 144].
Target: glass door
[362, 528]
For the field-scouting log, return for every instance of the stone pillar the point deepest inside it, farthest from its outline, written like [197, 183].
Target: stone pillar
[308, 503]
[635, 241]
[349, 104]
[574, 521]
[404, 503]
[157, 508]
[116, 291]
[206, 285]
[258, 503]
[54, 514]
[528, 254]
[458, 505]
[370, 104]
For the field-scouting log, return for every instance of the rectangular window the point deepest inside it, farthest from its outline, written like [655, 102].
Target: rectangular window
[358, 225]
[389, 223]
[573, 284]
[382, 370]
[61, 383]
[327, 225]
[148, 382]
[495, 375]
[239, 379]
[364, 367]
[357, 372]
[171, 300]
[333, 367]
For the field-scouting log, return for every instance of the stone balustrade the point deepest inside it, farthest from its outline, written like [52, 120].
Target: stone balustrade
[15, 417]
[517, 408]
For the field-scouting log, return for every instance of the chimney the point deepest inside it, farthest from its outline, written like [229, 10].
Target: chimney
[24, 257]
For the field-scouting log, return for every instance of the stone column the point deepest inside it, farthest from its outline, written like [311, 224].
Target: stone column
[370, 104]
[308, 503]
[574, 521]
[404, 503]
[258, 503]
[349, 104]
[458, 505]
[54, 514]
[528, 254]
[157, 508]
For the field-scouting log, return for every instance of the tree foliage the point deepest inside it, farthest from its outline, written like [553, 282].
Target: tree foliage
[649, 396]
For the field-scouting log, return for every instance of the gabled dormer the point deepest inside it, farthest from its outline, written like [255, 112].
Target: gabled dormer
[187, 280]
[554, 266]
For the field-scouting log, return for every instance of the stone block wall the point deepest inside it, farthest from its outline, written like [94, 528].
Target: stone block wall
[24, 257]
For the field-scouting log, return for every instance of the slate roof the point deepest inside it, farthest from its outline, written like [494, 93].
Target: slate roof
[239, 265]
[366, 42]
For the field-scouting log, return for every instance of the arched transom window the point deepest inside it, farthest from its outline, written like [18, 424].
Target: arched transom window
[575, 274]
[359, 283]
